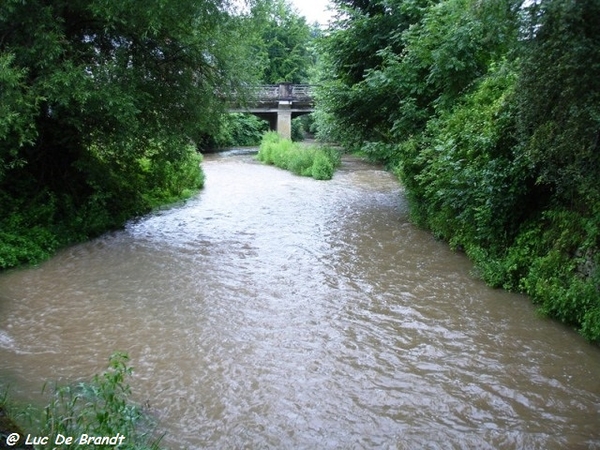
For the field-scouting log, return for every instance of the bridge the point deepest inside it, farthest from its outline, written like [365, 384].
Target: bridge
[279, 104]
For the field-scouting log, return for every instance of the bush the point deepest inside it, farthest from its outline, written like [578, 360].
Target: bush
[109, 190]
[298, 129]
[311, 161]
[238, 129]
[322, 168]
[98, 408]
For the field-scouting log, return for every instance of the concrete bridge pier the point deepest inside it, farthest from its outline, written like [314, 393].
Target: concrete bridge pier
[284, 119]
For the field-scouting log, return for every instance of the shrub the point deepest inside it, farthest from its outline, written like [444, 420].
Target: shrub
[298, 129]
[98, 408]
[312, 161]
[238, 129]
[323, 166]
[300, 160]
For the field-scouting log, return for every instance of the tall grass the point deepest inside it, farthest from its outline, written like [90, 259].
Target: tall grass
[311, 161]
[100, 408]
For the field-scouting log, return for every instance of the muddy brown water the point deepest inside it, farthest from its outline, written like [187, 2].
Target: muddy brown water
[274, 311]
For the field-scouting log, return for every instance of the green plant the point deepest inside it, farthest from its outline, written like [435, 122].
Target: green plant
[312, 161]
[7, 409]
[322, 167]
[99, 408]
[298, 130]
[238, 129]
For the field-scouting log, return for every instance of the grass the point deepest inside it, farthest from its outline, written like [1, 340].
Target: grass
[314, 161]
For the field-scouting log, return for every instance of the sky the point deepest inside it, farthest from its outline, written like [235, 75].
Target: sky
[313, 10]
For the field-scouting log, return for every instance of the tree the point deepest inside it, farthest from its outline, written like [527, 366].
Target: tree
[410, 58]
[101, 101]
[285, 45]
[355, 93]
[559, 97]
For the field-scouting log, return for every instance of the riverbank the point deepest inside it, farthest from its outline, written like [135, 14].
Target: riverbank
[34, 226]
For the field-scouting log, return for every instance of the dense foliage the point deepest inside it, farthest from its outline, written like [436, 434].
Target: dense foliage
[237, 129]
[284, 45]
[489, 113]
[102, 104]
[318, 162]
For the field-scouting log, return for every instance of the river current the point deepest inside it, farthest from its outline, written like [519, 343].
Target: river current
[275, 311]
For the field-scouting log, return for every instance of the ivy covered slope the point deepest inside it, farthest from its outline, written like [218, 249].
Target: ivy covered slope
[490, 114]
[101, 105]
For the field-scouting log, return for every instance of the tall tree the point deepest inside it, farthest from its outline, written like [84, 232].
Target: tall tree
[92, 70]
[409, 57]
[285, 46]
[100, 99]
[361, 39]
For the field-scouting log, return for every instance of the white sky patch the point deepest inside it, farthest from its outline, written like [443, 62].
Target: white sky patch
[314, 10]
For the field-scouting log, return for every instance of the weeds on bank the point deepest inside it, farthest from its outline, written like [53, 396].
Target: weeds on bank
[312, 161]
[100, 408]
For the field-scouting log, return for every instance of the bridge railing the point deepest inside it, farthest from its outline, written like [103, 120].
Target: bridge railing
[302, 91]
[284, 91]
[266, 92]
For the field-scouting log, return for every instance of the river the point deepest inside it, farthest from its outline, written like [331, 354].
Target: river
[275, 311]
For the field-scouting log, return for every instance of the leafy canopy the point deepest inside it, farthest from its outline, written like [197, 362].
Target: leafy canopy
[102, 103]
[284, 46]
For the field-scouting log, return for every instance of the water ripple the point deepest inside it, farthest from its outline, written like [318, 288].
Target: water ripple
[274, 311]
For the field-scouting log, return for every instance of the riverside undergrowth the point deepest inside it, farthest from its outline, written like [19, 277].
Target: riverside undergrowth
[489, 113]
[98, 412]
[314, 161]
[36, 222]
